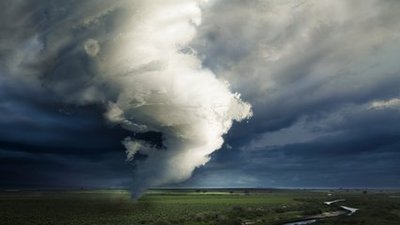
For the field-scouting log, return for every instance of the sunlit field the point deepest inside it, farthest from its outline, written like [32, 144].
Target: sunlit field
[195, 207]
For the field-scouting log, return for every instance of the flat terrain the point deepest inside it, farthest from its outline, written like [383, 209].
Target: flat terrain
[196, 207]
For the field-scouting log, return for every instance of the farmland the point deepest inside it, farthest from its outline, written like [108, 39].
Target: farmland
[195, 207]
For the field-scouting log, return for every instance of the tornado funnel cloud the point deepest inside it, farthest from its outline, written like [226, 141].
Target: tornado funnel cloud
[165, 89]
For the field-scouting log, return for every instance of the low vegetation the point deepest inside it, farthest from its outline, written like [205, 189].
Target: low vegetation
[193, 207]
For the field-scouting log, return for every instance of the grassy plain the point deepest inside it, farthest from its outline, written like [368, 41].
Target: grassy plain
[193, 207]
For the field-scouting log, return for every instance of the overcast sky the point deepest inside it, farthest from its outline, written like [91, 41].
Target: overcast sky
[304, 93]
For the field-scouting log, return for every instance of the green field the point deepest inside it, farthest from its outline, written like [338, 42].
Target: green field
[194, 207]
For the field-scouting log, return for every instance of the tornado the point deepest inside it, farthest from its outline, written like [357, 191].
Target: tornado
[164, 88]
[135, 59]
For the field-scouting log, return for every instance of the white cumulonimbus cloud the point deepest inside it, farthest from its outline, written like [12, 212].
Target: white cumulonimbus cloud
[164, 88]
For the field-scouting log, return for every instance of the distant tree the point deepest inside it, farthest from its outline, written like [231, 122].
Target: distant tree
[365, 192]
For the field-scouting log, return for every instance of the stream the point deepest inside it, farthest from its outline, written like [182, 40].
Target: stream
[312, 219]
[301, 222]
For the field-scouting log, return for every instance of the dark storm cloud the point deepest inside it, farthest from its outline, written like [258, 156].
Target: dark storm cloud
[45, 143]
[46, 126]
[38, 170]
[298, 60]
[323, 80]
[45, 139]
[358, 148]
[322, 77]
